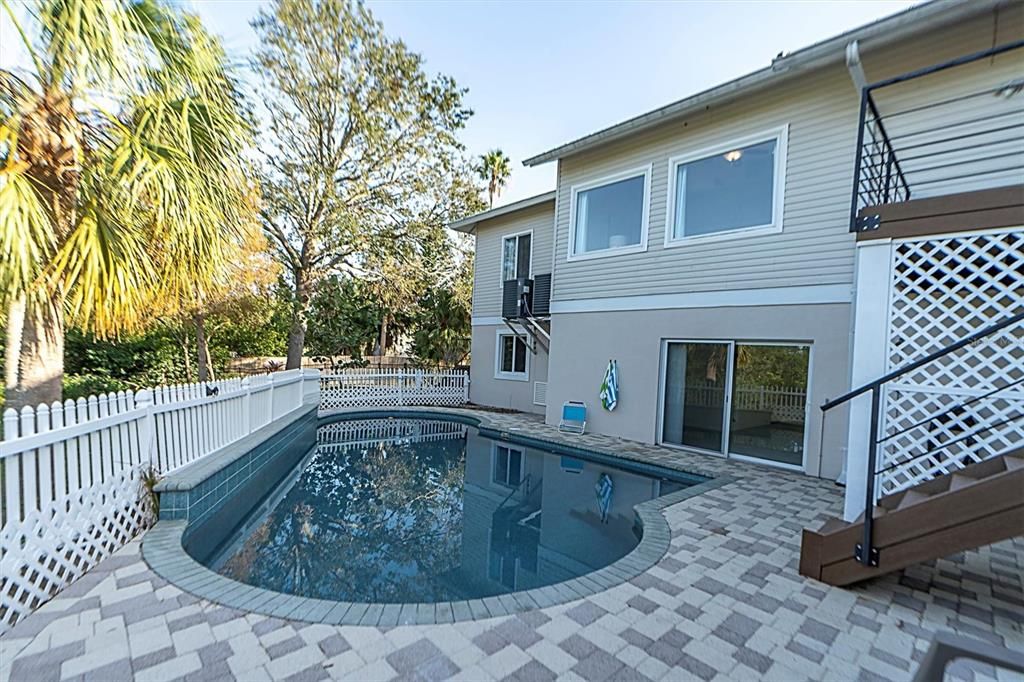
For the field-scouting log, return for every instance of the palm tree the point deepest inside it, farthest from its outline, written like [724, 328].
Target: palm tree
[494, 169]
[122, 180]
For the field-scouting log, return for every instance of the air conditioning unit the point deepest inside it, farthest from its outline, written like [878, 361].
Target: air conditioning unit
[517, 298]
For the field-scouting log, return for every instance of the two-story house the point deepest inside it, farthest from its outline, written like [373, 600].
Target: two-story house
[717, 250]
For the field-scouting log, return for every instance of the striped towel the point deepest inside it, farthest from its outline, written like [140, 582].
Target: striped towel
[610, 386]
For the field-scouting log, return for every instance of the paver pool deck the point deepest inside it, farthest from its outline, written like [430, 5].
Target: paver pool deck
[724, 603]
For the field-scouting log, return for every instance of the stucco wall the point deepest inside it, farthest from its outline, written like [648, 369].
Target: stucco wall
[485, 389]
[584, 342]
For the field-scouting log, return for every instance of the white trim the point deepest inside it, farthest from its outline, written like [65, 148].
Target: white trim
[501, 267]
[486, 321]
[509, 376]
[470, 223]
[645, 172]
[781, 137]
[805, 295]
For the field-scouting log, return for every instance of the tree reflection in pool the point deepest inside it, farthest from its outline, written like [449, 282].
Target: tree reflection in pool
[415, 511]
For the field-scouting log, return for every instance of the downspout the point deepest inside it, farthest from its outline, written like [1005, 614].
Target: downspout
[860, 80]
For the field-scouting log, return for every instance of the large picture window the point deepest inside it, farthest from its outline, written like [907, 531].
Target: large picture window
[611, 214]
[736, 187]
[512, 358]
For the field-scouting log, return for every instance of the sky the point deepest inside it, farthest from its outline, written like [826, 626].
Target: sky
[541, 74]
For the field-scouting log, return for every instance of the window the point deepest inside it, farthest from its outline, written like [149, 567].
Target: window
[512, 359]
[610, 215]
[515, 256]
[735, 187]
[508, 466]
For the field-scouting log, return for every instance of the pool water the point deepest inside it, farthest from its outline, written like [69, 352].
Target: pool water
[418, 510]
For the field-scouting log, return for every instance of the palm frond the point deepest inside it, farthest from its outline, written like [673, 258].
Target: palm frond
[26, 233]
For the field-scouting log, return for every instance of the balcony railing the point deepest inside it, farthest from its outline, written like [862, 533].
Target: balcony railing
[949, 128]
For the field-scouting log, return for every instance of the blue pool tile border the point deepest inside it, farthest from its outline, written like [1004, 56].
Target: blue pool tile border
[163, 548]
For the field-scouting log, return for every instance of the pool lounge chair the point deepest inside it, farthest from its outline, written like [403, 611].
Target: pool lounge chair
[574, 417]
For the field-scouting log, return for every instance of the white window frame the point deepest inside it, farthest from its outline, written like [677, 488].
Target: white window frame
[501, 266]
[510, 376]
[781, 137]
[494, 463]
[646, 172]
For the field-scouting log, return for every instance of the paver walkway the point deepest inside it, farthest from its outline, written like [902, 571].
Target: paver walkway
[725, 603]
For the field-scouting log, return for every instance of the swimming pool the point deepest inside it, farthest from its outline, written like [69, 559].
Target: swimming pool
[426, 510]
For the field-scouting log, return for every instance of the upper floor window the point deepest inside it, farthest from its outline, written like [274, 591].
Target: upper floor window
[610, 215]
[515, 256]
[737, 186]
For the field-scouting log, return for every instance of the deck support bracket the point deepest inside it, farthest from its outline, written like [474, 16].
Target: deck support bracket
[858, 554]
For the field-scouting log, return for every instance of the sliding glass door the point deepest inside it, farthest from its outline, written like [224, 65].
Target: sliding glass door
[696, 383]
[747, 400]
[769, 402]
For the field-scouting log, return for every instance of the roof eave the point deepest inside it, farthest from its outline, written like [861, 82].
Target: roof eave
[467, 225]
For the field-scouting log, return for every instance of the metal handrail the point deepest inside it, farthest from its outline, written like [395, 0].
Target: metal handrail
[864, 551]
[878, 176]
[897, 373]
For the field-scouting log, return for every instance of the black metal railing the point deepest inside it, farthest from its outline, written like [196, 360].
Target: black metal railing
[940, 145]
[865, 551]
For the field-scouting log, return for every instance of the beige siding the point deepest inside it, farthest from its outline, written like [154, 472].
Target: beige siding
[815, 247]
[489, 234]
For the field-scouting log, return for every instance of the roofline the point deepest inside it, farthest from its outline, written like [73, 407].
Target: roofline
[469, 224]
[880, 32]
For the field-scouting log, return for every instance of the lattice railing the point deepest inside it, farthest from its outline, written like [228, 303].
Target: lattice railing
[393, 387]
[71, 471]
[944, 289]
[53, 546]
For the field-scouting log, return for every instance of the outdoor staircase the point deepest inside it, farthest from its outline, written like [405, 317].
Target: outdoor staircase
[974, 506]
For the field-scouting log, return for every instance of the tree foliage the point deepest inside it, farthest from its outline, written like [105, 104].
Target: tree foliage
[494, 168]
[122, 179]
[357, 135]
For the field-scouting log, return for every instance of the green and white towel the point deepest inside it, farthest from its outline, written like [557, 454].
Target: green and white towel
[610, 386]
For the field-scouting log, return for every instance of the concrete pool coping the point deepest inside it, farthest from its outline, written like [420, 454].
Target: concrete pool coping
[163, 551]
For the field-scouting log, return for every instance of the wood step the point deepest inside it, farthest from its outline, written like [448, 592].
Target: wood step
[912, 497]
[977, 505]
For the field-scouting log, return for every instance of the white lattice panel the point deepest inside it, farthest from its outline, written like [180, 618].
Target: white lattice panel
[52, 547]
[944, 289]
[392, 388]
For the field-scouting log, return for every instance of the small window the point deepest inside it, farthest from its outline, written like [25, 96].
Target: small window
[512, 357]
[732, 189]
[515, 256]
[611, 216]
[508, 466]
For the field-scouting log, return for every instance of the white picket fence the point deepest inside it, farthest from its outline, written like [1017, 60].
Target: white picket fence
[71, 472]
[393, 387]
[786, 403]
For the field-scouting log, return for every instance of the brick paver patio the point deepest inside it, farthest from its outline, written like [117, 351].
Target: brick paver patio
[725, 602]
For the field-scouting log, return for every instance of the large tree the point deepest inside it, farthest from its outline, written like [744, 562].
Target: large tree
[353, 125]
[121, 174]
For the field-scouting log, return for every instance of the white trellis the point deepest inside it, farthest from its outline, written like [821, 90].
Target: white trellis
[71, 471]
[941, 290]
[393, 387]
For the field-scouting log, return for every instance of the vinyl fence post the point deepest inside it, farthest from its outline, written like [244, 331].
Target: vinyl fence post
[401, 387]
[147, 428]
[246, 385]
